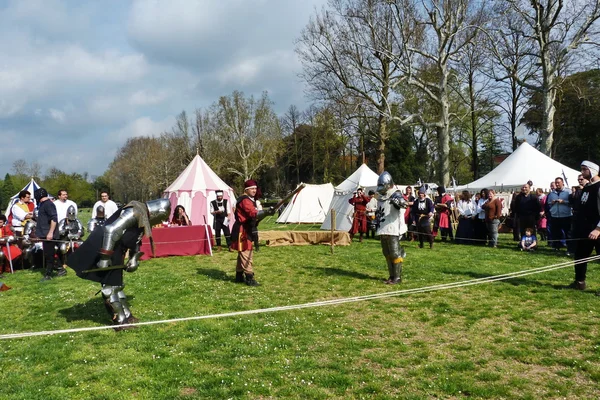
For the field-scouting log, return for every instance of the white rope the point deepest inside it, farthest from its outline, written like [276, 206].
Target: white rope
[453, 285]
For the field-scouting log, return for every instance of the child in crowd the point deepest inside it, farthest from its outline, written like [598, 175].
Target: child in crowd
[529, 241]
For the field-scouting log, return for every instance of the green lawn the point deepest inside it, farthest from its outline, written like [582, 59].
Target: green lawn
[524, 338]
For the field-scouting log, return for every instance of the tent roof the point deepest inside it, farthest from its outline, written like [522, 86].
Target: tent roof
[524, 164]
[31, 187]
[363, 177]
[310, 205]
[197, 177]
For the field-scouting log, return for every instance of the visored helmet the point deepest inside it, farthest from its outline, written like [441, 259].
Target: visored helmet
[71, 214]
[384, 183]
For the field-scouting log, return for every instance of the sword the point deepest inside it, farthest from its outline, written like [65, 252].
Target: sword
[112, 267]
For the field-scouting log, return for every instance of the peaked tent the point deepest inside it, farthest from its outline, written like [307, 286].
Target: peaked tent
[363, 177]
[524, 164]
[309, 206]
[31, 187]
[195, 188]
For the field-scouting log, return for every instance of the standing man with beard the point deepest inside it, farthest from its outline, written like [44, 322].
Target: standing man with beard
[587, 223]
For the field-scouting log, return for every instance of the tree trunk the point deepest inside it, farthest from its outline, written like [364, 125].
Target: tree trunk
[547, 131]
[474, 133]
[381, 147]
[444, 142]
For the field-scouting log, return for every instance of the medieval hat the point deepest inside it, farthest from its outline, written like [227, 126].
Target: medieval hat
[250, 183]
[423, 190]
[219, 193]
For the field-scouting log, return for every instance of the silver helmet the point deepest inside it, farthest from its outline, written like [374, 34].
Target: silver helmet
[384, 183]
[100, 212]
[159, 210]
[71, 214]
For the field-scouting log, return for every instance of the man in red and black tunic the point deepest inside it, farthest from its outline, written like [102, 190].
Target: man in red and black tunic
[359, 223]
[245, 232]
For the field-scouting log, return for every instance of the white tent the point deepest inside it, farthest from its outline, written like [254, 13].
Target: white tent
[524, 164]
[363, 177]
[309, 206]
[195, 188]
[31, 187]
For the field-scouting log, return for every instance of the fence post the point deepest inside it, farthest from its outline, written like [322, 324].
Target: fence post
[332, 229]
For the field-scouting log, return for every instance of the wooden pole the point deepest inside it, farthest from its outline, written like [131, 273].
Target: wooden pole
[332, 229]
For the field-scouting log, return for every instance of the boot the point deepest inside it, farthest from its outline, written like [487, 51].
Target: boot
[577, 285]
[129, 318]
[390, 271]
[4, 287]
[48, 274]
[250, 280]
[61, 271]
[239, 277]
[360, 238]
[397, 274]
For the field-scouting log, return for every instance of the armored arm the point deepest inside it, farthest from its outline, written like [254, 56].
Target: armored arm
[114, 232]
[264, 213]
[398, 201]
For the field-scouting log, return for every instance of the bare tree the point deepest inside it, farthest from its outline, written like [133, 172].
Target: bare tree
[347, 52]
[251, 127]
[449, 26]
[557, 28]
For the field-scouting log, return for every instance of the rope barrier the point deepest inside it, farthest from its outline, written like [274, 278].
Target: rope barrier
[453, 285]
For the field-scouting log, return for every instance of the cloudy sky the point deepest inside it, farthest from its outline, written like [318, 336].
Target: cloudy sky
[79, 78]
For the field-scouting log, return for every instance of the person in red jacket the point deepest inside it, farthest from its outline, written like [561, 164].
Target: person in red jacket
[359, 223]
[245, 232]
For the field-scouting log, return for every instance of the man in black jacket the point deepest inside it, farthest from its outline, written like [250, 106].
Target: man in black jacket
[47, 230]
[527, 208]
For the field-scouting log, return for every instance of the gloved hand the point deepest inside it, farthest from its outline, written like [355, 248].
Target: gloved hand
[395, 201]
[134, 262]
[271, 211]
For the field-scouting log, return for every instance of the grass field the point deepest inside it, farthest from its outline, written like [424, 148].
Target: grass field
[523, 338]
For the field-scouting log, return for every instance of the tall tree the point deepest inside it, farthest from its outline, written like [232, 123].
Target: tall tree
[251, 128]
[557, 28]
[290, 122]
[347, 53]
[449, 26]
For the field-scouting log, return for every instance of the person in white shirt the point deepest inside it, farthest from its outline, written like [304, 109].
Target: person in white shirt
[466, 212]
[21, 212]
[62, 204]
[110, 207]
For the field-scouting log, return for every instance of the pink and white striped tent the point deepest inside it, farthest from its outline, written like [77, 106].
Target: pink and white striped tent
[195, 188]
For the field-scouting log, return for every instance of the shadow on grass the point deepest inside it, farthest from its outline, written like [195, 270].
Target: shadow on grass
[328, 271]
[92, 310]
[215, 274]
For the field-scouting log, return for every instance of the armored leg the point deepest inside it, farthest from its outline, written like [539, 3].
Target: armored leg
[129, 318]
[394, 254]
[113, 304]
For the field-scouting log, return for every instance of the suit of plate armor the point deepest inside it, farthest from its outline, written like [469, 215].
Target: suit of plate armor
[127, 231]
[390, 212]
[70, 230]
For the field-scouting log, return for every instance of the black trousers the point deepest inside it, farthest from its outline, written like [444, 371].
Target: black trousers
[220, 226]
[584, 250]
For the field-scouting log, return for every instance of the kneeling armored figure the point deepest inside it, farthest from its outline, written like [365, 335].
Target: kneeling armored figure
[390, 214]
[101, 258]
[70, 231]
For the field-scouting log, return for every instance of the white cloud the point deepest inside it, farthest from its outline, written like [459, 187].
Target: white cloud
[143, 126]
[146, 97]
[57, 115]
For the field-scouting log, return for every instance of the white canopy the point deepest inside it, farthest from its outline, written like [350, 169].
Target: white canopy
[31, 187]
[524, 164]
[363, 177]
[309, 206]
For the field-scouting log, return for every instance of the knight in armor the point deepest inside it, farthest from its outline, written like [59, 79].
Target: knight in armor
[218, 208]
[70, 231]
[101, 258]
[245, 232]
[99, 220]
[390, 212]
[47, 230]
[28, 247]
